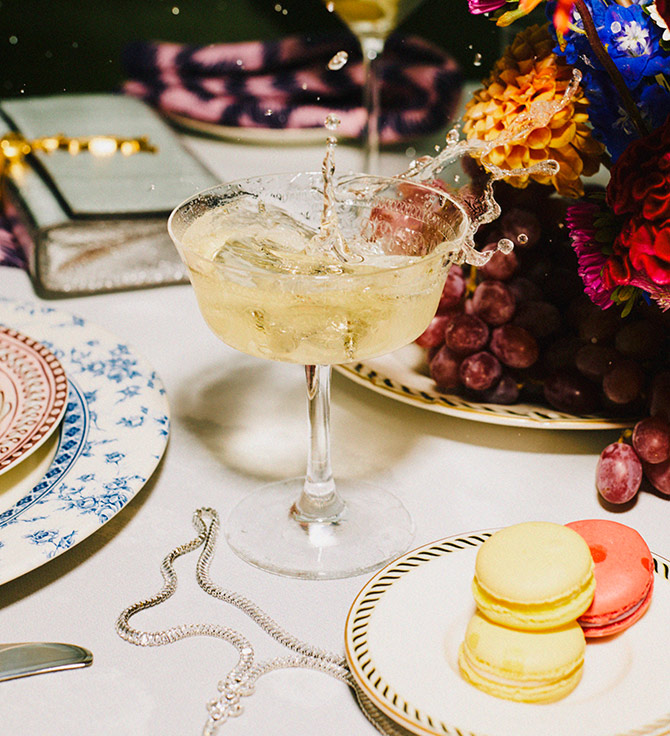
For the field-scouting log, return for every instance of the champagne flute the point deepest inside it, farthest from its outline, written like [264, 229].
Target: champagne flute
[371, 21]
[290, 268]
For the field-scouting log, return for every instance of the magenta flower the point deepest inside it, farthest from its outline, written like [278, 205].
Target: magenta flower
[580, 219]
[485, 6]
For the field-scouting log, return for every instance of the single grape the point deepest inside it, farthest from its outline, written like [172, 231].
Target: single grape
[659, 403]
[433, 335]
[560, 354]
[569, 391]
[453, 291]
[501, 266]
[651, 439]
[480, 371]
[521, 227]
[466, 334]
[598, 325]
[514, 346]
[444, 369]
[658, 474]
[640, 339]
[623, 384]
[618, 473]
[493, 302]
[595, 360]
[506, 391]
[524, 290]
[540, 318]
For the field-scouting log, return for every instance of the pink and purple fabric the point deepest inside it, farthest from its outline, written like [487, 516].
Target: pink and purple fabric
[287, 84]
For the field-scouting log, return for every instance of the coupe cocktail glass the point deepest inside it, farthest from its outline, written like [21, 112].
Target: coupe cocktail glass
[371, 21]
[285, 271]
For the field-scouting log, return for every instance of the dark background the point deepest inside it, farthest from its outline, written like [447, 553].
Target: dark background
[51, 46]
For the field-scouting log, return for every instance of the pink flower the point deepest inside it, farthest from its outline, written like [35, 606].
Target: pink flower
[485, 6]
[580, 219]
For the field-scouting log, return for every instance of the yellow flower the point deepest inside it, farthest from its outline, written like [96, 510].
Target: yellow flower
[529, 72]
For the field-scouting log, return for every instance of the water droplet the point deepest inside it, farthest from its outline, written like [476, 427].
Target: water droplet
[522, 238]
[239, 62]
[452, 136]
[175, 10]
[615, 27]
[332, 122]
[477, 60]
[410, 152]
[457, 178]
[303, 85]
[436, 148]
[330, 7]
[505, 245]
[338, 61]
[267, 113]
[13, 40]
[278, 8]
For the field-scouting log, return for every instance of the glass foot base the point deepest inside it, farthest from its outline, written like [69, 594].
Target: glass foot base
[374, 528]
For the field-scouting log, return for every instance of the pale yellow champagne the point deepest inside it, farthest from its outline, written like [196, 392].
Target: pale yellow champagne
[268, 286]
[372, 17]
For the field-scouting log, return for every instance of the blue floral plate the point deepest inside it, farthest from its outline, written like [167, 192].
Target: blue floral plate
[112, 437]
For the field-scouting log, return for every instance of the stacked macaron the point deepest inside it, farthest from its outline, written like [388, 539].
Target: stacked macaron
[624, 573]
[532, 582]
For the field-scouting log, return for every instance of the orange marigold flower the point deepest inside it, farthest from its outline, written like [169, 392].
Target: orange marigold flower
[527, 75]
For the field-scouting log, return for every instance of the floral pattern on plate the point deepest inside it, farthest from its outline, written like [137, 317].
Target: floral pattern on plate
[112, 437]
[33, 389]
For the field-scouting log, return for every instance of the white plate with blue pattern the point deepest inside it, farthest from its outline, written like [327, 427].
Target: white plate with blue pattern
[111, 439]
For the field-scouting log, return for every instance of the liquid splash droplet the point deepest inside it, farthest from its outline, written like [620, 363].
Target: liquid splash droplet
[338, 61]
[522, 238]
[332, 122]
[477, 61]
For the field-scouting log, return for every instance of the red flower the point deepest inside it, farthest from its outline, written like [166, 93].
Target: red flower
[639, 189]
[663, 7]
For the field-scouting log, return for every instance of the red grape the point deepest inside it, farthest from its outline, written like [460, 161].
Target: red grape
[514, 346]
[651, 439]
[453, 290]
[538, 317]
[639, 339]
[493, 302]
[466, 334]
[618, 473]
[444, 369]
[433, 335]
[595, 360]
[624, 383]
[506, 391]
[480, 371]
[569, 391]
[501, 266]
[658, 474]
[659, 404]
[524, 290]
[521, 227]
[598, 325]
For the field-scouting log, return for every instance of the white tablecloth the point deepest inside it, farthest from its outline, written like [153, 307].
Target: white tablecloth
[237, 422]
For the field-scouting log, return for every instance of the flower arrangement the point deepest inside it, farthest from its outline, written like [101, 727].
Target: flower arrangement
[620, 118]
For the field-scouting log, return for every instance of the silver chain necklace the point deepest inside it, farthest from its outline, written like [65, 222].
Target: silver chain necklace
[241, 680]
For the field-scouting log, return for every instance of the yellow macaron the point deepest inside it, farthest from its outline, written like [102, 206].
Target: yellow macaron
[532, 667]
[534, 575]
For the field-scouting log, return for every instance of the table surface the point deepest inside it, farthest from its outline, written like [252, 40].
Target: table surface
[237, 422]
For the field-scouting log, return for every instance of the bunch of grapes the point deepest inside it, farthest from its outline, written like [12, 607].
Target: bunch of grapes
[520, 328]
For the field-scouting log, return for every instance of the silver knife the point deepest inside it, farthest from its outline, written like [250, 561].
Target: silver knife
[34, 658]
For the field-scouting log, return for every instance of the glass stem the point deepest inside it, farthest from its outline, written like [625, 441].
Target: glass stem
[319, 500]
[372, 47]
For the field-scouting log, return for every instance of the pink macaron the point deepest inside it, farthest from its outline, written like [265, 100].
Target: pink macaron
[624, 572]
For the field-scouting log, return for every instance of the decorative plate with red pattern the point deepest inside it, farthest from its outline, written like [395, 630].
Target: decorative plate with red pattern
[33, 394]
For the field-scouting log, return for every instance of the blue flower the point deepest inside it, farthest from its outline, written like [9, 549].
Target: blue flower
[633, 41]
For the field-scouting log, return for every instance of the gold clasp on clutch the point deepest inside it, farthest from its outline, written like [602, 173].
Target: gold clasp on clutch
[14, 148]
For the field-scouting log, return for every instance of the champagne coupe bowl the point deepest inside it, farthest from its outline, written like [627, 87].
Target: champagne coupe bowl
[273, 281]
[371, 21]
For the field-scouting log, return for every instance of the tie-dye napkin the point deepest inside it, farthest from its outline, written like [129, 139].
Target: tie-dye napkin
[288, 84]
